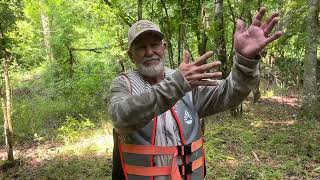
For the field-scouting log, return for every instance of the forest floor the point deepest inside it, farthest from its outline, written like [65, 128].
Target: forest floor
[268, 141]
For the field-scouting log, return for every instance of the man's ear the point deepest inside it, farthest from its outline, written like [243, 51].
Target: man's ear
[129, 52]
[164, 44]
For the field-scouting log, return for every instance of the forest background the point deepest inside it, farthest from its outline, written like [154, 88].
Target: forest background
[59, 57]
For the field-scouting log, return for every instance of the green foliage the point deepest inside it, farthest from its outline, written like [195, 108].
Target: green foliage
[9, 14]
[65, 97]
[72, 128]
[285, 146]
[44, 97]
[246, 171]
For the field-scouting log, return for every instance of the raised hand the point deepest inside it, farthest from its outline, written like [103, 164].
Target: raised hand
[249, 42]
[197, 73]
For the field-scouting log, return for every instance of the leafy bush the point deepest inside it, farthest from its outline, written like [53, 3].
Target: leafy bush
[73, 128]
[45, 96]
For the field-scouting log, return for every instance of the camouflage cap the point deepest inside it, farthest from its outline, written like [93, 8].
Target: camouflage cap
[140, 27]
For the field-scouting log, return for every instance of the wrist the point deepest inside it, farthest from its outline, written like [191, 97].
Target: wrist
[250, 56]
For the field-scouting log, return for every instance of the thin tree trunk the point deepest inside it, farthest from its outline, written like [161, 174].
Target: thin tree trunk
[310, 60]
[179, 45]
[168, 35]
[140, 4]
[231, 54]
[182, 30]
[220, 40]
[46, 32]
[201, 33]
[6, 107]
[256, 93]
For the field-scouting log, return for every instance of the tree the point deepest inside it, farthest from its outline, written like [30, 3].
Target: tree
[140, 9]
[46, 30]
[8, 16]
[220, 37]
[310, 60]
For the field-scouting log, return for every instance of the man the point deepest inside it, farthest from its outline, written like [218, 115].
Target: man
[156, 110]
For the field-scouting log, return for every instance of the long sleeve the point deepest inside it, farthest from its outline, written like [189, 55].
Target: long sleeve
[132, 112]
[229, 92]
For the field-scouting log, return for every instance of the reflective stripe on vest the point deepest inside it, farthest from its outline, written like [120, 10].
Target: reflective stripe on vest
[138, 149]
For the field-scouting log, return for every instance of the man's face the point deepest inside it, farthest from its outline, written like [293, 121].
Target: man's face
[148, 53]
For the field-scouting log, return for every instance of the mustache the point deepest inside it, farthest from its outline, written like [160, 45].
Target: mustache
[155, 57]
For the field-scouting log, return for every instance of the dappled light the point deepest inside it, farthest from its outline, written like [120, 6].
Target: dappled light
[290, 101]
[260, 143]
[243, 76]
[37, 160]
[100, 145]
[267, 123]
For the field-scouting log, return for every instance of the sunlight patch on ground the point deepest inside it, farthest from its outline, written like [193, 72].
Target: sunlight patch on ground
[260, 124]
[290, 101]
[256, 124]
[99, 144]
[287, 123]
[233, 163]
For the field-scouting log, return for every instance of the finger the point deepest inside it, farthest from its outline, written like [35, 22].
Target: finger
[240, 27]
[274, 37]
[268, 21]
[202, 59]
[270, 26]
[215, 75]
[258, 18]
[207, 82]
[207, 67]
[186, 56]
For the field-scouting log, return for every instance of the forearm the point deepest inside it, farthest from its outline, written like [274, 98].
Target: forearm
[133, 112]
[231, 91]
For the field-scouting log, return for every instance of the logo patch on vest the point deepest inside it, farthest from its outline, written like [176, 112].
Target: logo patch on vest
[187, 118]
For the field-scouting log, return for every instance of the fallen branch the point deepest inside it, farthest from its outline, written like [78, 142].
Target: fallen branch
[255, 155]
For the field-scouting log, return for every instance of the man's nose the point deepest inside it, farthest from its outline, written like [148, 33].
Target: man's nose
[149, 51]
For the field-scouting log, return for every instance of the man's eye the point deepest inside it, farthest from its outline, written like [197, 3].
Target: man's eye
[140, 47]
[155, 44]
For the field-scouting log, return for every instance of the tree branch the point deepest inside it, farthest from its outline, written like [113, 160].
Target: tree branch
[123, 16]
[96, 50]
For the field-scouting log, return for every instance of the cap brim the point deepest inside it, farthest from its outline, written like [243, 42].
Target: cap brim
[161, 35]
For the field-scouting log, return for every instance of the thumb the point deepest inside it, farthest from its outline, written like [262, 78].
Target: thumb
[186, 56]
[240, 27]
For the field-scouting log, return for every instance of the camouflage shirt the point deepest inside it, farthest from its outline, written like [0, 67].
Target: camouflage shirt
[132, 112]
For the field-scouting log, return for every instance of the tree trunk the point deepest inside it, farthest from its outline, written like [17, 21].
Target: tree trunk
[46, 32]
[6, 108]
[231, 52]
[256, 90]
[310, 60]
[256, 93]
[140, 3]
[179, 45]
[220, 40]
[201, 33]
[182, 43]
[168, 32]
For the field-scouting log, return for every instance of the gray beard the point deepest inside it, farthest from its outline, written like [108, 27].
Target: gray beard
[155, 70]
[151, 71]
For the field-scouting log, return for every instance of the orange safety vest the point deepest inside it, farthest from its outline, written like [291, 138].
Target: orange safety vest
[138, 149]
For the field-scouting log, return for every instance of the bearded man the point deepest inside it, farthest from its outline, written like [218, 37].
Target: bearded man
[156, 110]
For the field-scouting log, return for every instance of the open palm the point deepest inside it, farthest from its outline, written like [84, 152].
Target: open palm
[249, 42]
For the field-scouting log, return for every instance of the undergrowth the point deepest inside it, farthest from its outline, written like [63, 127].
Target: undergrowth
[62, 131]
[267, 142]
